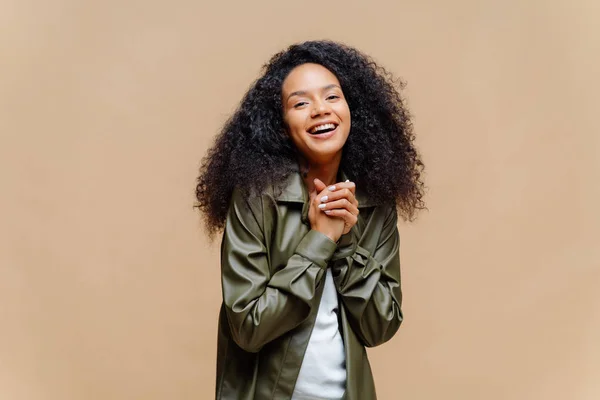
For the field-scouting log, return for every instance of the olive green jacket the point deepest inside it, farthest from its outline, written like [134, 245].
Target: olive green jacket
[273, 271]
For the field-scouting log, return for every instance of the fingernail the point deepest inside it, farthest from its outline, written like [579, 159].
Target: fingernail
[324, 199]
[321, 206]
[347, 180]
[331, 188]
[327, 211]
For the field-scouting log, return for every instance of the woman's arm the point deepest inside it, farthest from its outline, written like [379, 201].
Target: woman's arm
[260, 306]
[367, 277]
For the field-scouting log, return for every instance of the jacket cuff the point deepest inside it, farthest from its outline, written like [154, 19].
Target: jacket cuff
[364, 266]
[316, 247]
[345, 248]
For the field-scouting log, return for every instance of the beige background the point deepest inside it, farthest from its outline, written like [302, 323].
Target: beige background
[110, 290]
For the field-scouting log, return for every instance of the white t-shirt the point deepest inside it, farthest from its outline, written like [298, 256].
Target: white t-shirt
[322, 375]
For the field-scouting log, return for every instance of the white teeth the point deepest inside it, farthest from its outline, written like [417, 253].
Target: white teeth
[322, 127]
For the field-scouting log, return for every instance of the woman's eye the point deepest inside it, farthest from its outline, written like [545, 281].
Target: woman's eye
[333, 96]
[300, 104]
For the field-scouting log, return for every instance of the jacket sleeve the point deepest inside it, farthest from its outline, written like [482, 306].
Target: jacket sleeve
[260, 305]
[368, 281]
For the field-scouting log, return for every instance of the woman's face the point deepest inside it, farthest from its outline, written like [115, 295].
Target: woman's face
[315, 112]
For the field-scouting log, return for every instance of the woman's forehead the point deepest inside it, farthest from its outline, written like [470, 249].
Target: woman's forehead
[309, 77]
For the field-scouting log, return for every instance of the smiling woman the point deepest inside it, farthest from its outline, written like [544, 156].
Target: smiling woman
[306, 180]
[316, 114]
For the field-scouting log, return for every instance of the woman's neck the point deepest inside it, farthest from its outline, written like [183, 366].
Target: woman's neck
[327, 173]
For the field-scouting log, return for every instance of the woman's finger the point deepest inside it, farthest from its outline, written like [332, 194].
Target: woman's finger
[349, 218]
[342, 193]
[339, 204]
[343, 185]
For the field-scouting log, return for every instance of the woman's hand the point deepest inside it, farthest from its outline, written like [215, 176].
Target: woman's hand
[337, 204]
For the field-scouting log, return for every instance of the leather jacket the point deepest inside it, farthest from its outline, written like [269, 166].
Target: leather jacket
[273, 270]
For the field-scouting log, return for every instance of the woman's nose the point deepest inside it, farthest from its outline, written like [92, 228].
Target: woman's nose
[320, 108]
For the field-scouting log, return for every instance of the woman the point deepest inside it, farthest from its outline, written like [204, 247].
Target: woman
[306, 180]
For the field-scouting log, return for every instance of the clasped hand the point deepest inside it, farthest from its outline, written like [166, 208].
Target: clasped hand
[333, 209]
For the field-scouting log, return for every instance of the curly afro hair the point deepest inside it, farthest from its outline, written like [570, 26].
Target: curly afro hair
[254, 150]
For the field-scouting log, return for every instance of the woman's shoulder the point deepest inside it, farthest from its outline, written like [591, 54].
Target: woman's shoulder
[251, 200]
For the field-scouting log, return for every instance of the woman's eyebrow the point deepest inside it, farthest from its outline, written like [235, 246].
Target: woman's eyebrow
[303, 92]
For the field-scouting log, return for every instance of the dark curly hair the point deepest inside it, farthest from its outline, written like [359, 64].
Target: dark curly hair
[254, 150]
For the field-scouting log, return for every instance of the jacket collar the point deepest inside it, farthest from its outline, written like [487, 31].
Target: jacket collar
[294, 190]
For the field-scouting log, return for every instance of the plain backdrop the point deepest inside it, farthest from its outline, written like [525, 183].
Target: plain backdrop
[109, 288]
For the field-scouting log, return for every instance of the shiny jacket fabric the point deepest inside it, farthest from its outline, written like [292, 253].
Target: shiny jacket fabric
[273, 270]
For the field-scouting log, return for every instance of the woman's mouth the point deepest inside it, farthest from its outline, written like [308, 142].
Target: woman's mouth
[323, 131]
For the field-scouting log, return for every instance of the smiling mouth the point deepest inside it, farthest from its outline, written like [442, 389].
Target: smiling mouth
[321, 129]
